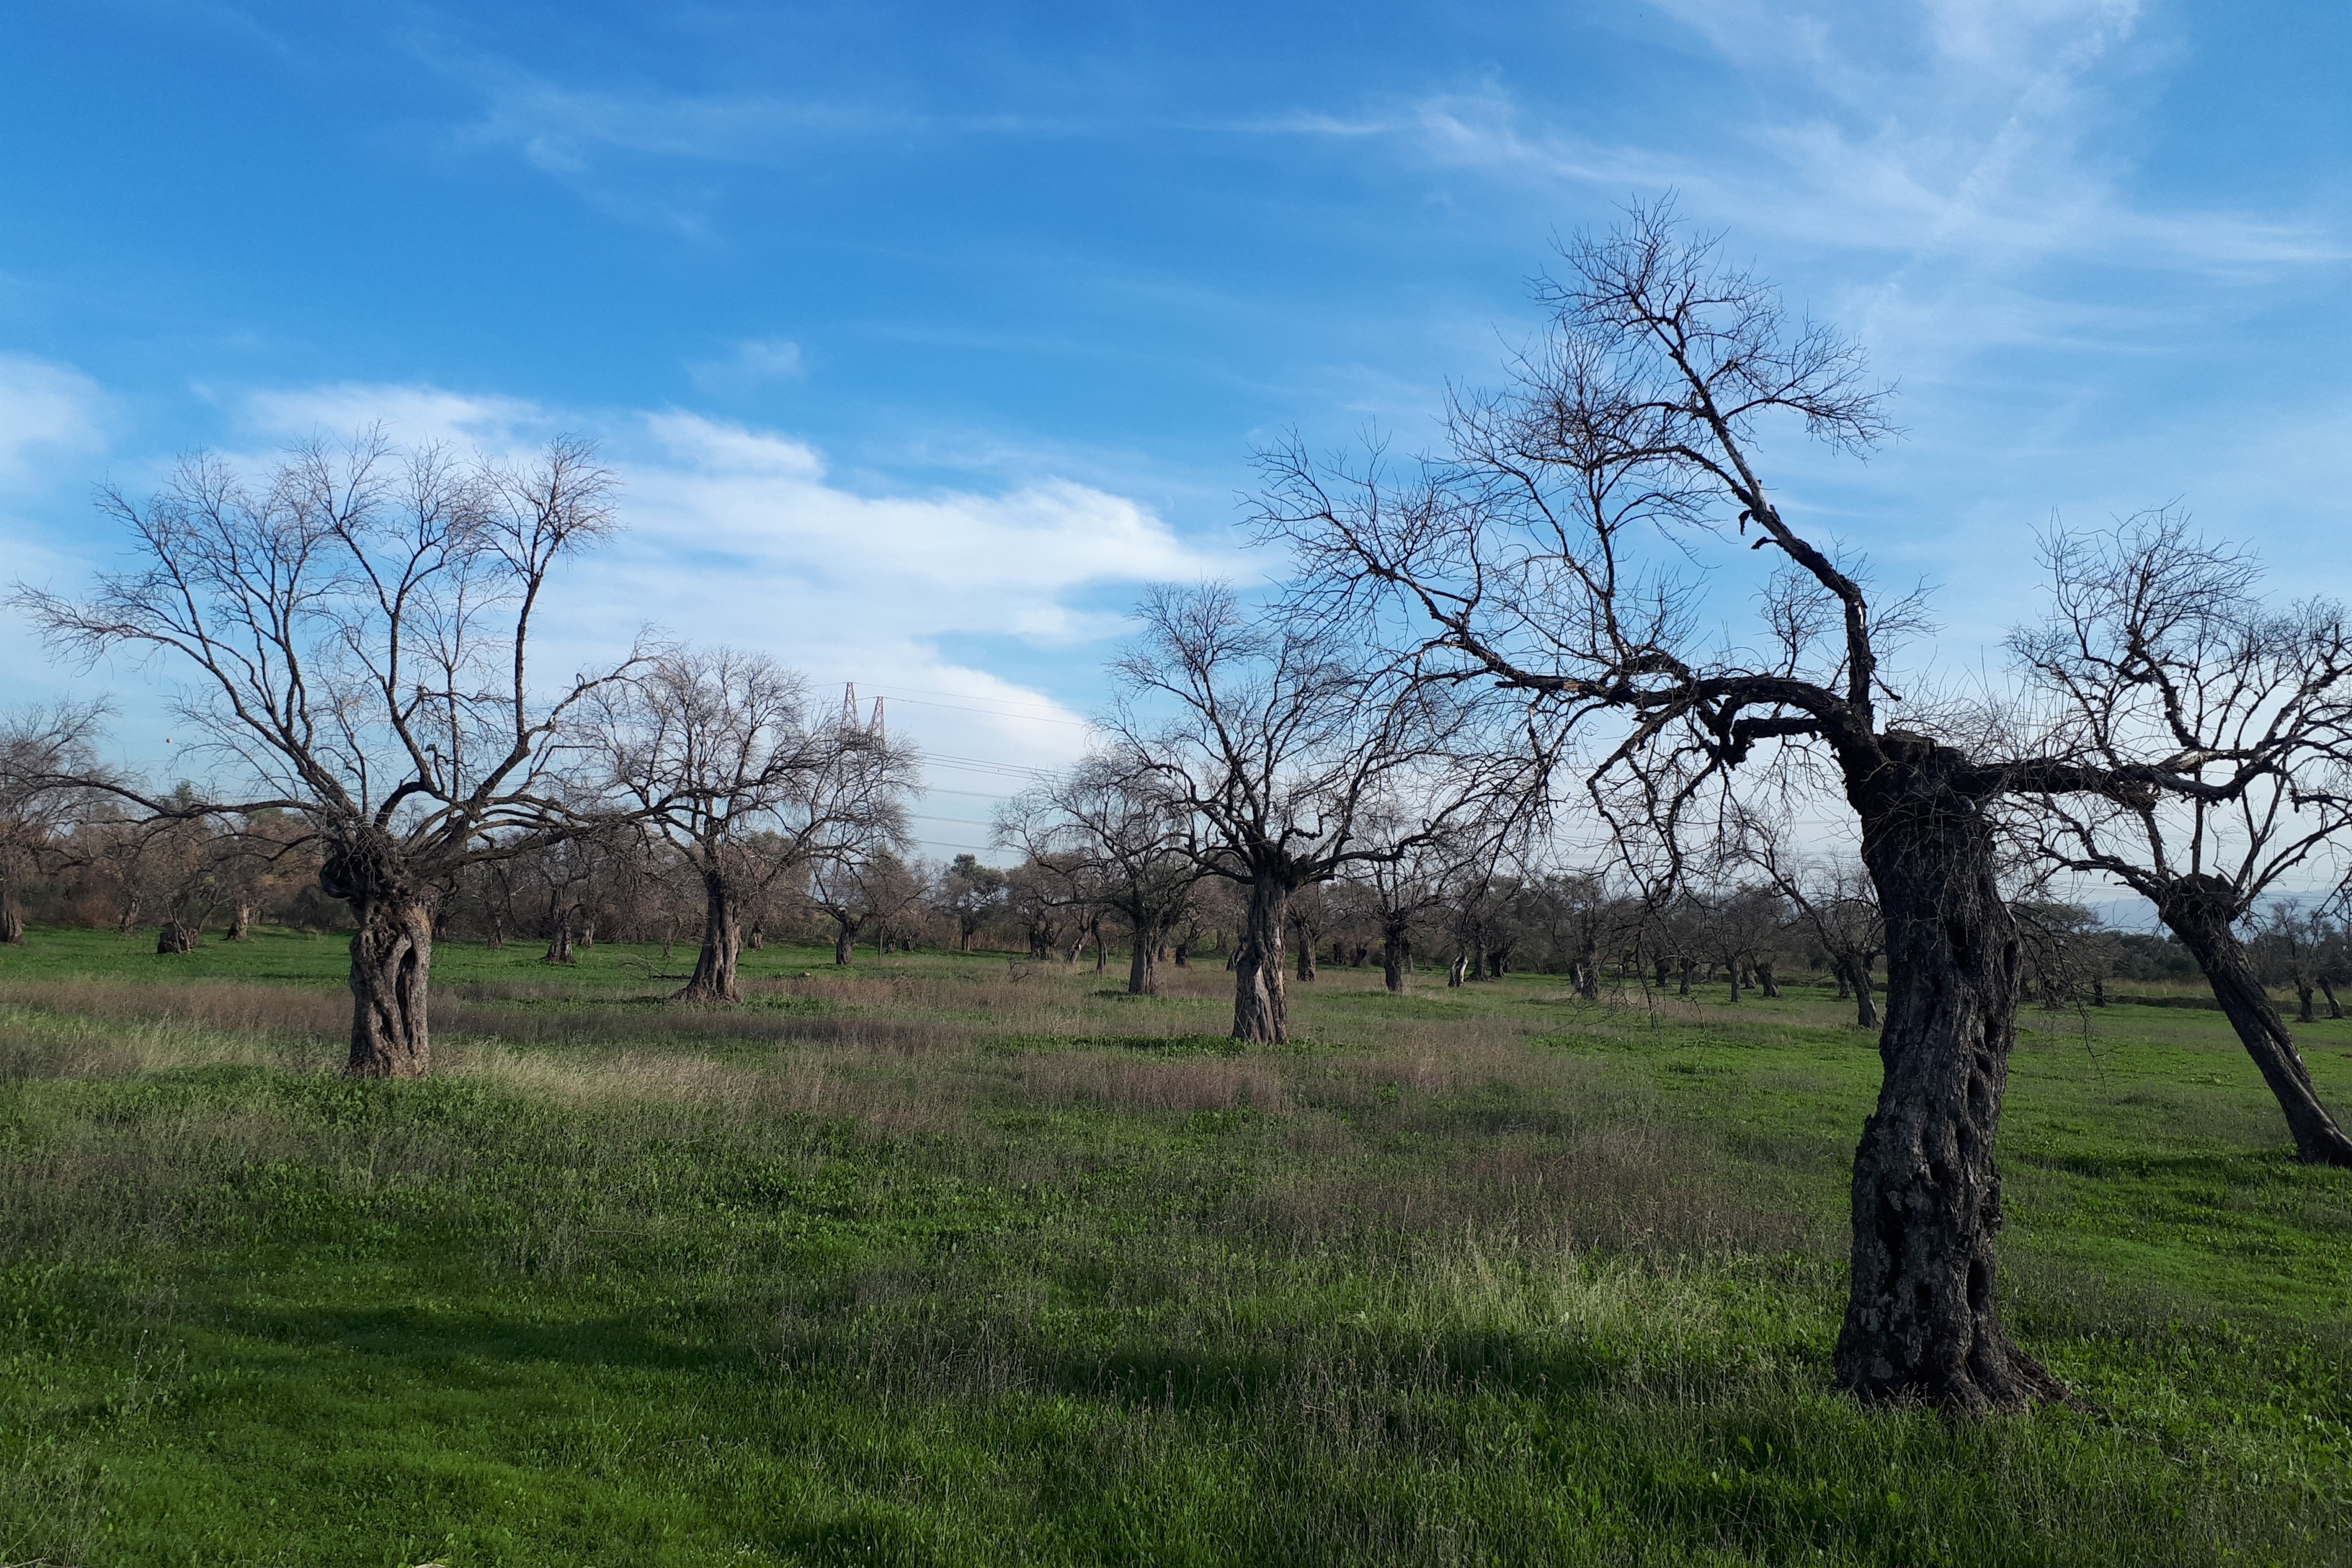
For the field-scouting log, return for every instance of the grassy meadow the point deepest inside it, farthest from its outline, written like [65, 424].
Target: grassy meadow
[949, 1259]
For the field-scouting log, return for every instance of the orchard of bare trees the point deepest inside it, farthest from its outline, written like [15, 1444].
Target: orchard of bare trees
[1486, 727]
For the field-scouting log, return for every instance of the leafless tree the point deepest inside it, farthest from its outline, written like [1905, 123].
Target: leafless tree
[716, 753]
[1115, 840]
[2158, 653]
[355, 625]
[858, 888]
[1522, 557]
[45, 757]
[1273, 749]
[1833, 901]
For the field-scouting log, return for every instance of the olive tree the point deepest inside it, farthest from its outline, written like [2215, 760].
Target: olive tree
[353, 628]
[1274, 748]
[2157, 650]
[717, 754]
[1108, 839]
[1546, 551]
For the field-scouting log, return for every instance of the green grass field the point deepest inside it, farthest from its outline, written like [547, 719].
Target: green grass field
[959, 1260]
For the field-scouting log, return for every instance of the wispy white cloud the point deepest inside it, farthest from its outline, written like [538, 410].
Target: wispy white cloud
[46, 411]
[755, 363]
[743, 536]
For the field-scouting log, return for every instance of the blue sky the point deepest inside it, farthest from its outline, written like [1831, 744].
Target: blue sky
[925, 334]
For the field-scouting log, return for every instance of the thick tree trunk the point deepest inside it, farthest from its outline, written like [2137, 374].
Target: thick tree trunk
[392, 963]
[713, 979]
[1854, 978]
[1306, 958]
[1839, 967]
[240, 923]
[1260, 1014]
[844, 938]
[2326, 989]
[1922, 1318]
[1588, 972]
[1733, 967]
[1182, 956]
[1765, 983]
[176, 936]
[2198, 909]
[1453, 971]
[559, 946]
[12, 920]
[1392, 959]
[1143, 960]
[2303, 1013]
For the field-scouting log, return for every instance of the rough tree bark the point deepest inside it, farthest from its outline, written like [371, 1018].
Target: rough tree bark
[240, 923]
[391, 960]
[1260, 1014]
[845, 939]
[1922, 1320]
[176, 936]
[1306, 958]
[2198, 910]
[713, 979]
[12, 920]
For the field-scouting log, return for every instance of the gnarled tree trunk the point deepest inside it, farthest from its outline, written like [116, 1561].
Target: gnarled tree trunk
[713, 979]
[12, 920]
[1922, 1318]
[176, 936]
[392, 963]
[1260, 1013]
[1306, 958]
[2199, 911]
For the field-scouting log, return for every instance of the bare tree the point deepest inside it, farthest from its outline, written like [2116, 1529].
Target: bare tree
[1115, 843]
[46, 753]
[2159, 653]
[857, 888]
[715, 751]
[1519, 559]
[355, 625]
[1832, 899]
[1273, 748]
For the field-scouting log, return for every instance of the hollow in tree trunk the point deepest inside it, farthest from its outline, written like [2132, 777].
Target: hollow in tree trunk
[2199, 911]
[1260, 1015]
[176, 936]
[559, 946]
[392, 963]
[1922, 1318]
[713, 979]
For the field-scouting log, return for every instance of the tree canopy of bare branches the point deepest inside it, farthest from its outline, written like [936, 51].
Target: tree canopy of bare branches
[1272, 746]
[354, 629]
[716, 753]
